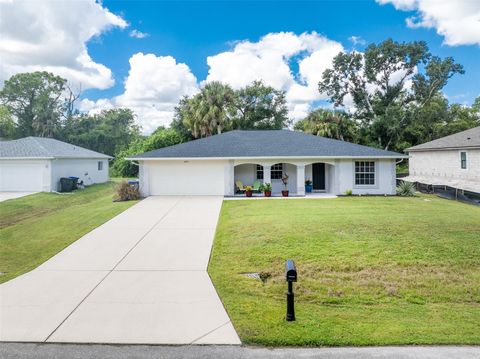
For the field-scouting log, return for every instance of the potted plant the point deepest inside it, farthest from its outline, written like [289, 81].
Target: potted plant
[248, 191]
[285, 183]
[308, 186]
[267, 189]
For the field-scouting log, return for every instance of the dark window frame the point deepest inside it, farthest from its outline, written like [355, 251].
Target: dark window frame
[100, 165]
[463, 160]
[259, 172]
[365, 173]
[276, 171]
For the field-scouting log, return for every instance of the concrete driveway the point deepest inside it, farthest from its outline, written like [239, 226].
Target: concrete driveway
[140, 278]
[5, 196]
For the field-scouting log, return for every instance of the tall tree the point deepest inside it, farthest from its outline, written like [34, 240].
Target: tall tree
[108, 132]
[160, 138]
[258, 106]
[459, 118]
[207, 112]
[327, 123]
[35, 101]
[217, 100]
[376, 81]
[7, 125]
[218, 108]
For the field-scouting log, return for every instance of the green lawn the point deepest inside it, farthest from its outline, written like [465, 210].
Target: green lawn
[36, 227]
[372, 270]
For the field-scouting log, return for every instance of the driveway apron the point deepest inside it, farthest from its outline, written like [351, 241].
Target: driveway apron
[140, 278]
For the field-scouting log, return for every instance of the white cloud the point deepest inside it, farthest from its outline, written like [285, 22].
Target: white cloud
[458, 21]
[270, 60]
[293, 63]
[138, 34]
[357, 40]
[152, 90]
[52, 36]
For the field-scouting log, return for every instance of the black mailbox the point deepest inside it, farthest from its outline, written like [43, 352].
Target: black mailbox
[290, 271]
[291, 276]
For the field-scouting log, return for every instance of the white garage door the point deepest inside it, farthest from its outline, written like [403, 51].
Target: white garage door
[186, 178]
[26, 177]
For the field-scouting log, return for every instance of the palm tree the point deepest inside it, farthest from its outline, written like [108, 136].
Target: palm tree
[187, 112]
[207, 112]
[217, 100]
[332, 124]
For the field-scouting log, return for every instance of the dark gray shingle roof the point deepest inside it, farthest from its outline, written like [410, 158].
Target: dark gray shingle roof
[41, 147]
[465, 139]
[268, 143]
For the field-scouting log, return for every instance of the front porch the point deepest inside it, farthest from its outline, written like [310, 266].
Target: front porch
[260, 196]
[249, 173]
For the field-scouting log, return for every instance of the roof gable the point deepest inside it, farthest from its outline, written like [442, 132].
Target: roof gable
[41, 147]
[465, 139]
[266, 143]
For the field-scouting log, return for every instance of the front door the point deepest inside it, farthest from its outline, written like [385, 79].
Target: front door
[318, 172]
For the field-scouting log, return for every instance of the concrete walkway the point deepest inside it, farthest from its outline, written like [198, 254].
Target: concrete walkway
[140, 278]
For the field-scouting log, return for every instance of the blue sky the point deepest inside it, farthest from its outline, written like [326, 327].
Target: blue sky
[192, 30]
[288, 44]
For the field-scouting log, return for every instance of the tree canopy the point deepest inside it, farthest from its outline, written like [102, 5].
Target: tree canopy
[261, 107]
[109, 131]
[162, 137]
[326, 123]
[390, 96]
[387, 88]
[218, 108]
[36, 101]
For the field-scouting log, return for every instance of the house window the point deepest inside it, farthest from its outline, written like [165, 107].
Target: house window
[463, 160]
[100, 165]
[259, 172]
[277, 171]
[365, 173]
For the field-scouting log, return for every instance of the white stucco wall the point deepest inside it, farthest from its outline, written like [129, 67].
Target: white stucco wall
[291, 171]
[385, 177]
[25, 175]
[445, 164]
[217, 177]
[85, 169]
[195, 177]
[246, 173]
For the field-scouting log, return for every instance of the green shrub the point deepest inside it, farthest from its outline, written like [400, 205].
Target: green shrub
[160, 138]
[406, 189]
[266, 187]
[348, 192]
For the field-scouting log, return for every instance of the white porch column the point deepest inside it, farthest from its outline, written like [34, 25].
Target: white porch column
[229, 189]
[143, 176]
[267, 177]
[300, 180]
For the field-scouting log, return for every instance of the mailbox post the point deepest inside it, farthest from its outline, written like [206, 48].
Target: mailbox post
[291, 276]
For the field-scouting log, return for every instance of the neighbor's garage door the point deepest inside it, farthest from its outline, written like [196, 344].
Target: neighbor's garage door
[186, 178]
[23, 177]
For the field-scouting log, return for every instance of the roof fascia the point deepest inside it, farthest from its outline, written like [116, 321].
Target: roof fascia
[253, 157]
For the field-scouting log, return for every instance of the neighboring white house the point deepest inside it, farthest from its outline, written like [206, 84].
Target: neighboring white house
[36, 164]
[452, 161]
[213, 165]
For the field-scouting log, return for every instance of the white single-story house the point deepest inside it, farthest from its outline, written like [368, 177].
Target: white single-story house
[452, 161]
[36, 164]
[213, 165]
